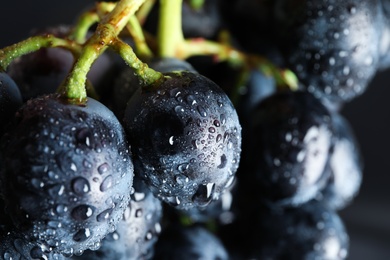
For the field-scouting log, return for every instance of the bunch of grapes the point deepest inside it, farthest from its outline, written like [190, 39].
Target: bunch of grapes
[195, 129]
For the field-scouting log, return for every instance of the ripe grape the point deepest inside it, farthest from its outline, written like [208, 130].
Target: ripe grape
[66, 172]
[186, 139]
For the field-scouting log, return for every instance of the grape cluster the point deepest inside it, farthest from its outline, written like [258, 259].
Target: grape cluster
[193, 136]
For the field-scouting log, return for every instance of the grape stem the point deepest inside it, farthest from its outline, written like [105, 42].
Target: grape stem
[34, 43]
[84, 23]
[133, 27]
[149, 78]
[170, 35]
[224, 52]
[106, 32]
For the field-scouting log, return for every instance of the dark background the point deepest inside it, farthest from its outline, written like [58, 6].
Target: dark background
[367, 219]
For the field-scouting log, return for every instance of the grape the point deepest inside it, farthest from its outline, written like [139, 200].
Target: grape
[66, 173]
[291, 139]
[185, 137]
[278, 199]
[332, 46]
[311, 231]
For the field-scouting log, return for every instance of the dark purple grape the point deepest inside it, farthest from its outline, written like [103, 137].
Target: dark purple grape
[138, 231]
[192, 243]
[290, 140]
[311, 231]
[10, 100]
[345, 166]
[332, 46]
[63, 168]
[186, 139]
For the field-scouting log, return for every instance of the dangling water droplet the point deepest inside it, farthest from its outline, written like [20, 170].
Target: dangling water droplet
[203, 197]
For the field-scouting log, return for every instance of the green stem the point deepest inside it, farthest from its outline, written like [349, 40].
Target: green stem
[223, 52]
[86, 20]
[133, 27]
[10, 53]
[106, 32]
[170, 34]
[136, 32]
[149, 78]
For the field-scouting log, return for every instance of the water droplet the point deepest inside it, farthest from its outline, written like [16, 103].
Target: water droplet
[139, 196]
[73, 167]
[352, 9]
[83, 136]
[80, 186]
[223, 162]
[202, 111]
[346, 70]
[104, 216]
[332, 61]
[157, 228]
[107, 183]
[103, 168]
[82, 212]
[36, 183]
[212, 130]
[222, 119]
[82, 235]
[203, 197]
[191, 100]
[138, 213]
[149, 236]
[171, 140]
[179, 109]
[277, 162]
[183, 167]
